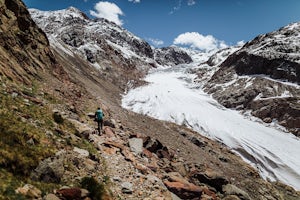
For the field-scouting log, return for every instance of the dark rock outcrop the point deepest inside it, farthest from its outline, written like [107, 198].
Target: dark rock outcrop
[171, 56]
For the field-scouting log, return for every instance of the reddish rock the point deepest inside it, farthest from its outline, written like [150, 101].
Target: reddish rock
[147, 153]
[108, 132]
[70, 193]
[184, 190]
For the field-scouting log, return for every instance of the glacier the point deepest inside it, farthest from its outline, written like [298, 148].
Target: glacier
[172, 95]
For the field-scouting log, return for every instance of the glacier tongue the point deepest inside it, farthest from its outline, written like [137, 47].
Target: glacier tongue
[172, 96]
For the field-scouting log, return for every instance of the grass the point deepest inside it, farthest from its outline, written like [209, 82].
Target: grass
[24, 144]
[21, 146]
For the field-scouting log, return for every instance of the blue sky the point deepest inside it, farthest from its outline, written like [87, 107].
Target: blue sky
[203, 24]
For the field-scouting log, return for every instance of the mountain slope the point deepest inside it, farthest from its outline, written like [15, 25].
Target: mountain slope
[118, 54]
[263, 77]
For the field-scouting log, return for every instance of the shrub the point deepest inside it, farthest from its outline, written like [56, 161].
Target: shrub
[94, 187]
[58, 118]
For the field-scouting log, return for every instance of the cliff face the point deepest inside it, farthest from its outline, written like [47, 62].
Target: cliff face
[24, 48]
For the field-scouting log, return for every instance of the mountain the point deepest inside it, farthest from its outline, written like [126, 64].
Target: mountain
[104, 44]
[49, 148]
[25, 50]
[262, 76]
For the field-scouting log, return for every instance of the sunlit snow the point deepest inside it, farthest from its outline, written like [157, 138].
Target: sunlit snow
[171, 95]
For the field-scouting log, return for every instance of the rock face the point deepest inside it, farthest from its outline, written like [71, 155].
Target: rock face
[171, 56]
[263, 76]
[275, 54]
[24, 48]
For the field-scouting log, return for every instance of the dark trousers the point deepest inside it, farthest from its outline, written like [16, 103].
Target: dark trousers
[100, 125]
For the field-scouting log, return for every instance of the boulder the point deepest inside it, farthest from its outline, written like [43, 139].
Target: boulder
[209, 177]
[184, 190]
[136, 145]
[233, 190]
[70, 193]
[152, 145]
[49, 170]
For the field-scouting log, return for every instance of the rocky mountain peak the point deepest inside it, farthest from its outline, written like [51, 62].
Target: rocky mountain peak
[275, 54]
[172, 55]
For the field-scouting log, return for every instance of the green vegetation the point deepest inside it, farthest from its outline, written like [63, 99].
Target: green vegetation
[22, 136]
[96, 189]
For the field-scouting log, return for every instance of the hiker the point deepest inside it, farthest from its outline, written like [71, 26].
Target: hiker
[99, 119]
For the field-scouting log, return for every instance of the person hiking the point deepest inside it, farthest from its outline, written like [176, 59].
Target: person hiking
[99, 119]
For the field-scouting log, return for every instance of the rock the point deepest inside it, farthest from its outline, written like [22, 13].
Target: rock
[108, 132]
[174, 196]
[171, 56]
[127, 188]
[231, 197]
[198, 142]
[29, 191]
[70, 193]
[209, 177]
[81, 152]
[30, 141]
[165, 152]
[111, 123]
[184, 190]
[84, 193]
[51, 197]
[233, 190]
[136, 145]
[179, 167]
[152, 145]
[49, 170]
[91, 115]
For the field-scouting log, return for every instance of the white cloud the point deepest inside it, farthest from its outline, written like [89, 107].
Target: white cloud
[198, 41]
[191, 2]
[240, 43]
[85, 0]
[109, 11]
[135, 1]
[155, 42]
[177, 7]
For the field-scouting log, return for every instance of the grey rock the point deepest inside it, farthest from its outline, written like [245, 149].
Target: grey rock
[127, 187]
[136, 145]
[230, 189]
[81, 152]
[49, 170]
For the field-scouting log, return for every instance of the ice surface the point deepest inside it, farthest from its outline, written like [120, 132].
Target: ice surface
[170, 95]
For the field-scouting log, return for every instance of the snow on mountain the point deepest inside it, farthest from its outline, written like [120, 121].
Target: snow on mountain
[173, 96]
[90, 37]
[102, 42]
[261, 77]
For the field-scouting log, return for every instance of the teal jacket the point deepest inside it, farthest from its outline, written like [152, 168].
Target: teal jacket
[99, 115]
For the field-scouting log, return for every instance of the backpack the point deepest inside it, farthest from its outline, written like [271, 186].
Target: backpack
[98, 115]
